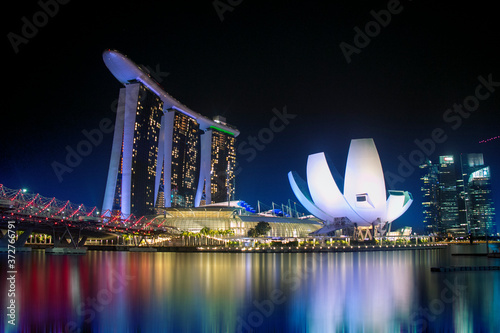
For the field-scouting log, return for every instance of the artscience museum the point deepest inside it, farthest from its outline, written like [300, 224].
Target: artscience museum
[358, 200]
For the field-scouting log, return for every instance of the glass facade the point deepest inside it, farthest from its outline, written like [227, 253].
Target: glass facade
[447, 194]
[218, 218]
[146, 114]
[457, 196]
[479, 204]
[481, 210]
[145, 152]
[185, 160]
[223, 159]
[429, 188]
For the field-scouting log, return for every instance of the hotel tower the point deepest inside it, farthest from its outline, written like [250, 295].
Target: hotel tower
[163, 154]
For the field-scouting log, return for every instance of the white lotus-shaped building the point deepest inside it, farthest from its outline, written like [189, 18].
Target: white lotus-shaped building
[360, 199]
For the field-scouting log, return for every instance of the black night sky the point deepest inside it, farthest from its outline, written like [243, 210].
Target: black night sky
[263, 55]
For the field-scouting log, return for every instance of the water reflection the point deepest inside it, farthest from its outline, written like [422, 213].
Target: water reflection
[369, 292]
[226, 292]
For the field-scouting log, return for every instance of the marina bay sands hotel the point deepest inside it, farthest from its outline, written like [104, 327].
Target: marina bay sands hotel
[164, 154]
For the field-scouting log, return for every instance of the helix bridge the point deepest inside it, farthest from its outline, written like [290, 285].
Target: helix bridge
[74, 223]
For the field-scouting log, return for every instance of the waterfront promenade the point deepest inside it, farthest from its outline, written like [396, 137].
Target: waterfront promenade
[257, 249]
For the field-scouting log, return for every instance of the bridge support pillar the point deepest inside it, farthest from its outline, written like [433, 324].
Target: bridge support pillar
[137, 240]
[4, 240]
[19, 244]
[361, 233]
[82, 241]
[139, 248]
[66, 243]
[21, 240]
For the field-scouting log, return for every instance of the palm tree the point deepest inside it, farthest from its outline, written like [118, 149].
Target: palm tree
[187, 234]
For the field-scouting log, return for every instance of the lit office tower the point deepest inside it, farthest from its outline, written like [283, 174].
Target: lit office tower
[447, 194]
[132, 173]
[429, 190]
[440, 188]
[457, 196]
[480, 210]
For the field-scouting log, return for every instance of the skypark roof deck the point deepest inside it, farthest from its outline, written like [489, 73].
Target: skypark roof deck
[126, 71]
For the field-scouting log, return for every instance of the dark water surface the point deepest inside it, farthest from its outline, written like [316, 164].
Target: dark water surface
[244, 292]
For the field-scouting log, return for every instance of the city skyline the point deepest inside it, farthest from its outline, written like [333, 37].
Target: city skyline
[129, 124]
[285, 84]
[457, 196]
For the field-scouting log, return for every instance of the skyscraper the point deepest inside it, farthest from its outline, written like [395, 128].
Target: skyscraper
[223, 160]
[429, 190]
[480, 211]
[135, 151]
[185, 160]
[447, 193]
[216, 182]
[457, 195]
[163, 154]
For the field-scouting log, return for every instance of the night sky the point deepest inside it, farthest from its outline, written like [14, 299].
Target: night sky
[243, 60]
